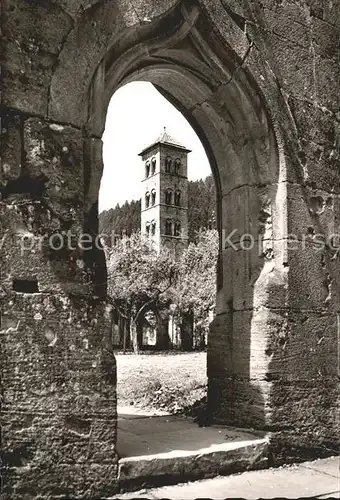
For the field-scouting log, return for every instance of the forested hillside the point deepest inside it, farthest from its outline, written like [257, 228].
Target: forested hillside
[120, 220]
[125, 219]
[201, 206]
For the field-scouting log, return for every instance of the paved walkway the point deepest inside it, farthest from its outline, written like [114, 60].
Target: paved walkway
[317, 479]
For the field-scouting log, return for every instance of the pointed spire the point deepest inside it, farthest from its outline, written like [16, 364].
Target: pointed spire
[166, 138]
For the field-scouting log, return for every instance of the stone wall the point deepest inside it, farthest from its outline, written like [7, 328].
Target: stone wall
[259, 81]
[283, 367]
[58, 369]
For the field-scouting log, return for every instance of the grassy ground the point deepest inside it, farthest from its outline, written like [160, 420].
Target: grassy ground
[165, 381]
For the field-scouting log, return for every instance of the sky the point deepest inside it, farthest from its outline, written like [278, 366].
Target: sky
[136, 116]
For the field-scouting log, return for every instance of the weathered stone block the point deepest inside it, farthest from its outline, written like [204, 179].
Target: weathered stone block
[75, 8]
[225, 25]
[282, 23]
[313, 122]
[27, 75]
[66, 481]
[219, 357]
[326, 11]
[34, 34]
[37, 25]
[238, 402]
[37, 246]
[320, 165]
[54, 154]
[304, 346]
[313, 212]
[312, 278]
[60, 408]
[96, 29]
[93, 162]
[25, 95]
[11, 145]
[327, 76]
[326, 37]
[256, 280]
[312, 408]
[296, 11]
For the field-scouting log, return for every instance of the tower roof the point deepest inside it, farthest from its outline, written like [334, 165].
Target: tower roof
[167, 139]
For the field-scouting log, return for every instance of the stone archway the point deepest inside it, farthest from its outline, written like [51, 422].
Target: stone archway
[223, 103]
[222, 68]
[225, 108]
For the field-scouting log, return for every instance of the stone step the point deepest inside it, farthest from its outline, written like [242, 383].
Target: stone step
[182, 465]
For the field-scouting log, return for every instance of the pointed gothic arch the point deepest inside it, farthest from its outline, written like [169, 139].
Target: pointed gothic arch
[226, 106]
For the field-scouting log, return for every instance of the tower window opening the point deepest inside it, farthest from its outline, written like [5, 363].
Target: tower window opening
[153, 166]
[178, 229]
[147, 169]
[177, 166]
[168, 197]
[153, 228]
[168, 163]
[153, 197]
[147, 228]
[147, 200]
[177, 198]
[168, 227]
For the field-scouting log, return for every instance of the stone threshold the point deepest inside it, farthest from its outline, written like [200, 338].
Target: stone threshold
[179, 466]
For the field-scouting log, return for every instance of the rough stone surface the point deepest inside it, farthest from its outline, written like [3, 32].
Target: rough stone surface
[259, 81]
[316, 479]
[219, 459]
[58, 417]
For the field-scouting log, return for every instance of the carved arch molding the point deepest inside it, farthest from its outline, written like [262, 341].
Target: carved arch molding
[187, 59]
[197, 56]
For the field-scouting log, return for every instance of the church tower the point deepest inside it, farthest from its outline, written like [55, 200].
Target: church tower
[164, 207]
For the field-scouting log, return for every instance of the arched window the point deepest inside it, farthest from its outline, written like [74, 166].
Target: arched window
[178, 228]
[168, 164]
[147, 169]
[153, 166]
[168, 227]
[147, 228]
[147, 200]
[153, 228]
[168, 196]
[153, 197]
[177, 198]
[177, 166]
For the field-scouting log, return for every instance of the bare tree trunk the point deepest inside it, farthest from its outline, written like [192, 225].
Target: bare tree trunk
[135, 336]
[139, 334]
[127, 324]
[187, 328]
[124, 335]
[162, 331]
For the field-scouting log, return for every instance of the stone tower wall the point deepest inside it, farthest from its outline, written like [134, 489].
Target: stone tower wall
[160, 181]
[147, 186]
[174, 182]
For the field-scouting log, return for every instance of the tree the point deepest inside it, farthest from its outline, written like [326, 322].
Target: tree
[201, 206]
[195, 290]
[139, 279]
[120, 221]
